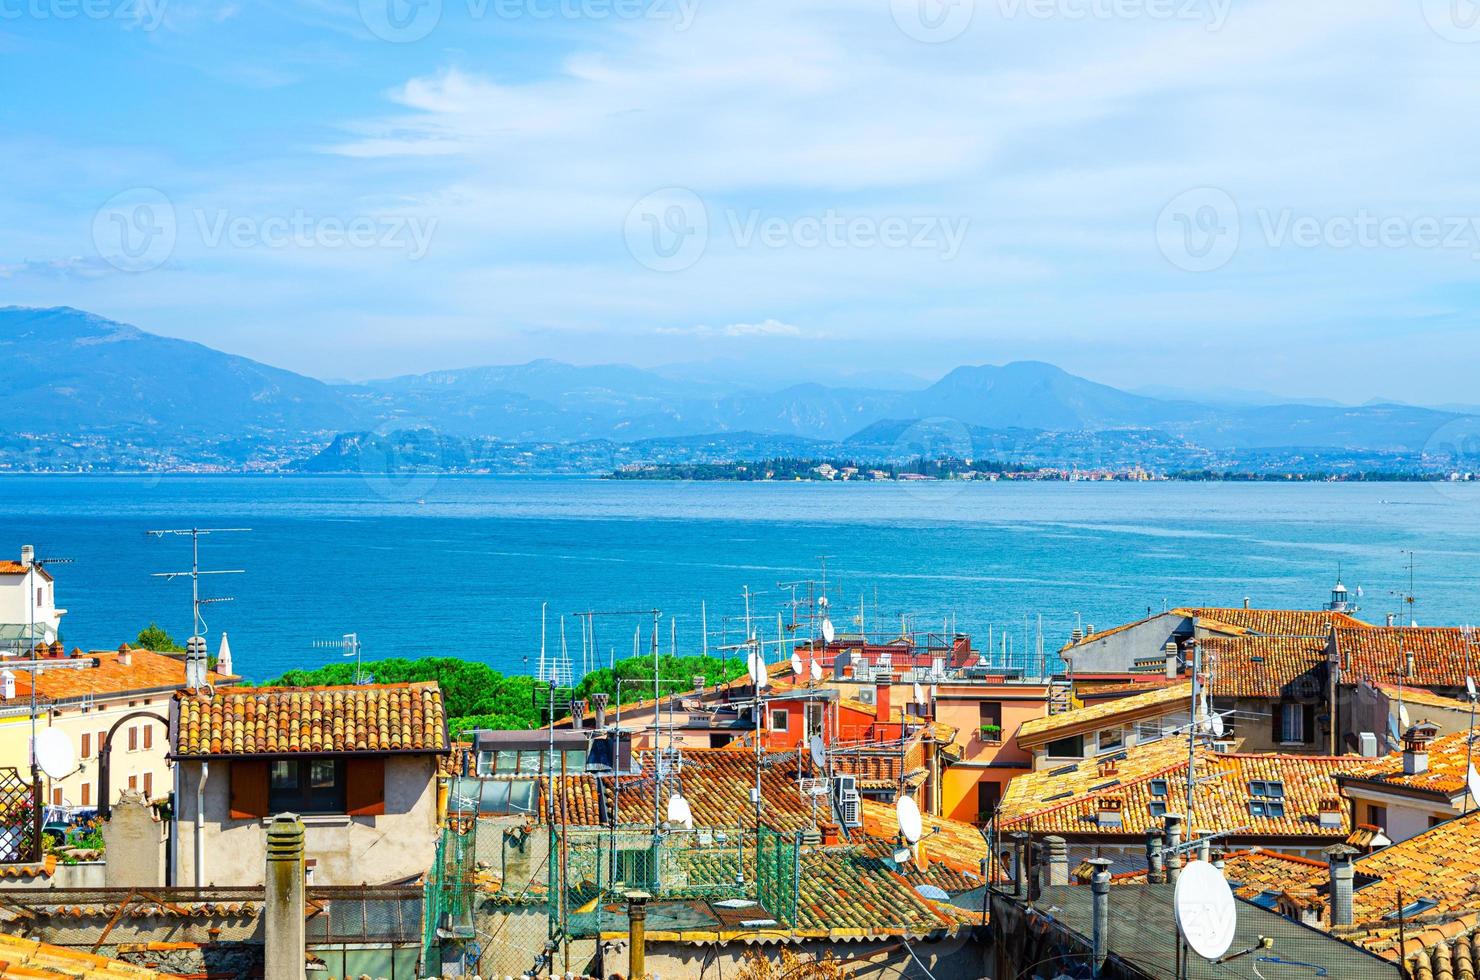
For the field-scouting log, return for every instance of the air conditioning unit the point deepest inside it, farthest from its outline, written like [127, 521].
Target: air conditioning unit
[850, 806]
[1367, 745]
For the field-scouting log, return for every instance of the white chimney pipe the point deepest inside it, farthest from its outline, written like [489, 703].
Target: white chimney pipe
[7, 684]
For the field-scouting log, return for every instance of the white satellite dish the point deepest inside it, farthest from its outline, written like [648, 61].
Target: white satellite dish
[679, 812]
[828, 633]
[822, 601]
[818, 748]
[755, 666]
[816, 671]
[910, 824]
[1207, 916]
[1472, 780]
[919, 693]
[1404, 722]
[1217, 726]
[54, 753]
[796, 665]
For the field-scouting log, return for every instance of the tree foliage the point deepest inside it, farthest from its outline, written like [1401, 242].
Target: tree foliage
[152, 637]
[477, 696]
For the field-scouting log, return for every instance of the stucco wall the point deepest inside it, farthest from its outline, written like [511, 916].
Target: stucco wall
[394, 846]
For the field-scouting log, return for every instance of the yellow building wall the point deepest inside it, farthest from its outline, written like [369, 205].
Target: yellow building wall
[129, 767]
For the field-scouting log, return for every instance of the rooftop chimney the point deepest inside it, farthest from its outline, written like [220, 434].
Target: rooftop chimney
[1416, 747]
[1170, 650]
[1329, 809]
[1155, 861]
[283, 913]
[1076, 635]
[7, 684]
[1410, 666]
[195, 662]
[599, 699]
[1246, 602]
[28, 555]
[1100, 886]
[698, 682]
[578, 715]
[881, 699]
[1058, 860]
[223, 657]
[1392, 618]
[1339, 859]
[125, 656]
[1175, 857]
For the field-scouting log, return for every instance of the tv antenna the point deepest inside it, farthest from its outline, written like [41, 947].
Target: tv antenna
[37, 564]
[198, 623]
[349, 643]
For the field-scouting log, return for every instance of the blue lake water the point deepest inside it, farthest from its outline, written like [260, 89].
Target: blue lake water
[460, 565]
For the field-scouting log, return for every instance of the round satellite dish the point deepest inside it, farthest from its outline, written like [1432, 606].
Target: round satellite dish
[1207, 916]
[828, 633]
[1217, 726]
[54, 753]
[679, 812]
[755, 666]
[818, 749]
[919, 693]
[1472, 783]
[902, 856]
[910, 824]
[1470, 687]
[816, 671]
[1404, 722]
[796, 665]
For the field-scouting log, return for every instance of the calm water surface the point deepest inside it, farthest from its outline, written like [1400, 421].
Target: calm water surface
[460, 566]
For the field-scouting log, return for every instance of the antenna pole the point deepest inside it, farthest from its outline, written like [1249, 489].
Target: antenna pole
[1470, 736]
[1192, 729]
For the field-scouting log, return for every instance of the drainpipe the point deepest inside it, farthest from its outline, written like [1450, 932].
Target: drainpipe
[200, 825]
[1100, 886]
[1175, 857]
[1018, 841]
[1058, 860]
[1339, 858]
[637, 934]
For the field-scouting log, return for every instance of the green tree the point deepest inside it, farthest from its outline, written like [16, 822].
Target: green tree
[156, 639]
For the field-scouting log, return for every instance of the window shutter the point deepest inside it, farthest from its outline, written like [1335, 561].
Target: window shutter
[87, 745]
[364, 793]
[248, 789]
[148, 736]
[1279, 715]
[1310, 724]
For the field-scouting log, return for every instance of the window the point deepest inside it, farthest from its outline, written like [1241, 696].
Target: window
[1067, 748]
[133, 782]
[56, 796]
[988, 796]
[1158, 787]
[148, 736]
[1377, 816]
[306, 786]
[102, 737]
[133, 738]
[1272, 788]
[1111, 740]
[1274, 809]
[1413, 908]
[1158, 808]
[87, 745]
[989, 717]
[87, 794]
[1148, 731]
[778, 721]
[148, 785]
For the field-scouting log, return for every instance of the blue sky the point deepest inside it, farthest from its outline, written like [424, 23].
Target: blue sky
[1205, 194]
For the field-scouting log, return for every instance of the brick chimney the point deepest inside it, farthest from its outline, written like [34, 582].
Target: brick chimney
[599, 699]
[1170, 651]
[578, 715]
[882, 701]
[1416, 747]
[1155, 860]
[1058, 860]
[1329, 809]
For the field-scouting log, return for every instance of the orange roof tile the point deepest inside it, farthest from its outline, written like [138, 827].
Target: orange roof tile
[959, 846]
[1068, 800]
[1147, 704]
[1417, 695]
[1442, 656]
[1257, 666]
[1449, 758]
[370, 718]
[1272, 622]
[12, 567]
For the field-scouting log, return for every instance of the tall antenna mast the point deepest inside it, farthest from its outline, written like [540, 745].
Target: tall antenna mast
[198, 623]
[349, 643]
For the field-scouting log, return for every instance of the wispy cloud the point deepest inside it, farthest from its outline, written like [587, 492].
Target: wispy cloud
[766, 328]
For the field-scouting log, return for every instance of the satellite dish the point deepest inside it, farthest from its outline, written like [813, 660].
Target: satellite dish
[54, 753]
[902, 856]
[919, 693]
[755, 666]
[910, 824]
[1217, 726]
[1207, 916]
[818, 749]
[796, 665]
[822, 601]
[828, 633]
[816, 671]
[1404, 722]
[1472, 780]
[679, 812]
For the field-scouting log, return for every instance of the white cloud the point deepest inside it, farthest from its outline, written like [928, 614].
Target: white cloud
[766, 328]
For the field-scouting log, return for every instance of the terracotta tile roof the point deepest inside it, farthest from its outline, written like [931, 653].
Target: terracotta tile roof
[26, 958]
[1148, 704]
[373, 718]
[1253, 666]
[1445, 774]
[1249, 872]
[1272, 622]
[1419, 696]
[577, 800]
[1380, 654]
[145, 671]
[1087, 690]
[1068, 800]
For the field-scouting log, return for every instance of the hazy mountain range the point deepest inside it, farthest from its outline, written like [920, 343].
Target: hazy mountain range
[73, 372]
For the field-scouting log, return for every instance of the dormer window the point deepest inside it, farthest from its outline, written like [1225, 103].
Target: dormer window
[1159, 787]
[1269, 788]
